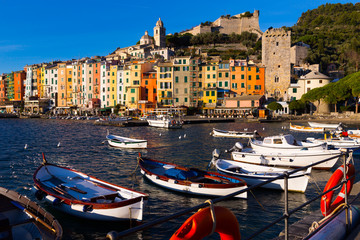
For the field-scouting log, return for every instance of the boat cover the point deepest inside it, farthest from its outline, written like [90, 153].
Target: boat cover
[180, 174]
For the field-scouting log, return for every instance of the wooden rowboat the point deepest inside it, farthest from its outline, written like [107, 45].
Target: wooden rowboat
[233, 134]
[23, 219]
[190, 180]
[84, 196]
[124, 142]
[305, 128]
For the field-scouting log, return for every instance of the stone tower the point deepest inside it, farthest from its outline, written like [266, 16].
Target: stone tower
[159, 34]
[276, 45]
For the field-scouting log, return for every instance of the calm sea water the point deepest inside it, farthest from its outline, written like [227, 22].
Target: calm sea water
[82, 148]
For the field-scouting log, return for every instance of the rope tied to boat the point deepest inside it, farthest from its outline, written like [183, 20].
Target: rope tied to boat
[315, 224]
[213, 216]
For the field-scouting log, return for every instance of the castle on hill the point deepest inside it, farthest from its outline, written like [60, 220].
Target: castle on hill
[231, 24]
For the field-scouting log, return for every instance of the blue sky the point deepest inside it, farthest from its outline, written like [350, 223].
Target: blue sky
[41, 30]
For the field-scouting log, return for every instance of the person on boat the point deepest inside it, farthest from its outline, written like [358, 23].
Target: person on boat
[344, 134]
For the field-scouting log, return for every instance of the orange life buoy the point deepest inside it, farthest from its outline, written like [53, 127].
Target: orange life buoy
[173, 122]
[200, 225]
[325, 205]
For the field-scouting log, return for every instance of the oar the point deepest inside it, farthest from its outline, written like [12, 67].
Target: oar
[18, 205]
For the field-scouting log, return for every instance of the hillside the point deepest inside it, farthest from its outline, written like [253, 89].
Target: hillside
[333, 32]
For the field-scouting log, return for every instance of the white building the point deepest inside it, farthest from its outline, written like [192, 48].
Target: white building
[307, 82]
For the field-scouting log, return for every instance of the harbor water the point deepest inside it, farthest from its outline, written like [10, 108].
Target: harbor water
[82, 148]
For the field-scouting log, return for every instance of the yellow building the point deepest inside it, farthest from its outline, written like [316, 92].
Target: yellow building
[113, 90]
[165, 84]
[42, 80]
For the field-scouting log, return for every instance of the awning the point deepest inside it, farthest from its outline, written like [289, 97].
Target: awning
[105, 109]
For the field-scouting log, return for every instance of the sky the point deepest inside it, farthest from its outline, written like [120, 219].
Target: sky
[42, 31]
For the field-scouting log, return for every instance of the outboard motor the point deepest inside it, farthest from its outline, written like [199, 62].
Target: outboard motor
[215, 156]
[238, 147]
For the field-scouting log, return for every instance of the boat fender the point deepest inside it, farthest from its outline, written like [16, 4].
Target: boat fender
[200, 186]
[39, 195]
[201, 224]
[325, 205]
[291, 160]
[87, 208]
[273, 158]
[53, 200]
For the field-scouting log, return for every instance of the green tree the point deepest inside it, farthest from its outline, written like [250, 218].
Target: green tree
[297, 105]
[274, 106]
[314, 95]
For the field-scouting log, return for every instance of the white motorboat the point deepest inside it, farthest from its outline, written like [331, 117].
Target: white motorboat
[284, 143]
[233, 134]
[190, 180]
[337, 142]
[353, 133]
[163, 121]
[286, 158]
[325, 125]
[254, 174]
[124, 142]
[84, 196]
[300, 128]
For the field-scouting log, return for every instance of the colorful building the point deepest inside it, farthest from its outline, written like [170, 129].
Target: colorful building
[181, 80]
[148, 93]
[165, 84]
[19, 89]
[62, 88]
[3, 88]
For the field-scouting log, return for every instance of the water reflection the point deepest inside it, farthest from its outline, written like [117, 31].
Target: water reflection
[82, 149]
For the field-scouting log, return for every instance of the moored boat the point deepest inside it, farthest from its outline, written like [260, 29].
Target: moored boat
[254, 174]
[23, 219]
[305, 128]
[190, 180]
[163, 121]
[286, 158]
[284, 143]
[338, 142]
[325, 125]
[84, 196]
[124, 142]
[233, 134]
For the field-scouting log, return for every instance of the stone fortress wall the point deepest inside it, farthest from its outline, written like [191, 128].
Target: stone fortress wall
[231, 24]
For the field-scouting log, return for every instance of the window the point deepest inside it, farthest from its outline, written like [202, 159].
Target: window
[214, 76]
[308, 82]
[207, 93]
[294, 90]
[249, 77]
[257, 77]
[232, 76]
[214, 68]
[146, 82]
[276, 79]
[186, 99]
[249, 69]
[242, 85]
[213, 93]
[185, 90]
[252, 103]
[176, 79]
[226, 74]
[242, 68]
[136, 74]
[226, 84]
[208, 76]
[220, 84]
[132, 90]
[320, 81]
[233, 69]
[242, 76]
[249, 87]
[208, 68]
[220, 75]
[185, 79]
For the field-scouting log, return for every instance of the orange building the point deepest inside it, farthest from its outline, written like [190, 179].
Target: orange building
[3, 97]
[97, 80]
[238, 79]
[19, 87]
[255, 80]
[148, 94]
[62, 90]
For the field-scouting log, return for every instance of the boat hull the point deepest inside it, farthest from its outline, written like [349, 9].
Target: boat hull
[137, 145]
[87, 197]
[305, 129]
[232, 134]
[289, 159]
[164, 123]
[296, 183]
[324, 125]
[190, 181]
[123, 142]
